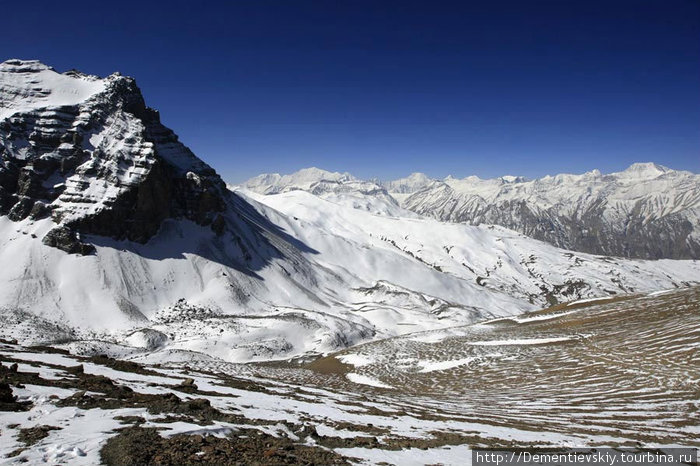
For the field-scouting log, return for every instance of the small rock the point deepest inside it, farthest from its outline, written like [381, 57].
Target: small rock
[188, 382]
[208, 450]
[76, 369]
[198, 404]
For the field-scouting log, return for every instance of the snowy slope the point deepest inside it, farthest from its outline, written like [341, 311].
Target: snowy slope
[470, 262]
[29, 84]
[155, 229]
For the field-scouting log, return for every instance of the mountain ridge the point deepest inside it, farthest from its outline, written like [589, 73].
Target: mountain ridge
[646, 211]
[89, 153]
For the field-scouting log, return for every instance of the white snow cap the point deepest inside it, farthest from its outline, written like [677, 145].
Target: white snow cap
[30, 84]
[646, 170]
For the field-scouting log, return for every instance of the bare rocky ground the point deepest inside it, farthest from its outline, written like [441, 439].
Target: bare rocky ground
[133, 443]
[610, 372]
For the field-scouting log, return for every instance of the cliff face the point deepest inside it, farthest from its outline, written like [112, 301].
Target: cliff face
[91, 155]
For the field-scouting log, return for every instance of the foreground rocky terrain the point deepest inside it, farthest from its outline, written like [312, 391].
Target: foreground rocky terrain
[614, 372]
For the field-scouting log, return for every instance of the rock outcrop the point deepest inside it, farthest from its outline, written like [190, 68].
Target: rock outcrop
[90, 154]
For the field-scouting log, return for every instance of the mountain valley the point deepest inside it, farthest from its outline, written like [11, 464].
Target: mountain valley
[318, 317]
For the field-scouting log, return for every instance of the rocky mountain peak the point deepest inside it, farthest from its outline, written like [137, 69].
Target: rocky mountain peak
[88, 153]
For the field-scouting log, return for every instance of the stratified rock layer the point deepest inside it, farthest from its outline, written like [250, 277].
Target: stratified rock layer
[101, 165]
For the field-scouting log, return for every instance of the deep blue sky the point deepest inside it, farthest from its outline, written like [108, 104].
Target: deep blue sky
[385, 88]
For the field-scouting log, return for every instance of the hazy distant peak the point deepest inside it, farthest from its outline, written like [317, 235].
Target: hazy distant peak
[304, 179]
[318, 174]
[645, 170]
[417, 176]
[410, 184]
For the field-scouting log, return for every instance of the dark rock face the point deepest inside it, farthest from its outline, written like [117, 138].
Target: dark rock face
[105, 166]
[66, 239]
[666, 237]
[6, 395]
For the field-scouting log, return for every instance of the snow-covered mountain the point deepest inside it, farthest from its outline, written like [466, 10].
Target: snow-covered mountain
[87, 168]
[341, 188]
[646, 211]
[114, 234]
[306, 179]
[490, 259]
[90, 155]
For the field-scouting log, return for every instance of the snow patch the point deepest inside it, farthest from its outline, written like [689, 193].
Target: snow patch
[366, 380]
[521, 341]
[431, 366]
[355, 359]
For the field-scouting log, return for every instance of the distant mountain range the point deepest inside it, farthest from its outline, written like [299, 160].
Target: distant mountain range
[646, 211]
[114, 235]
